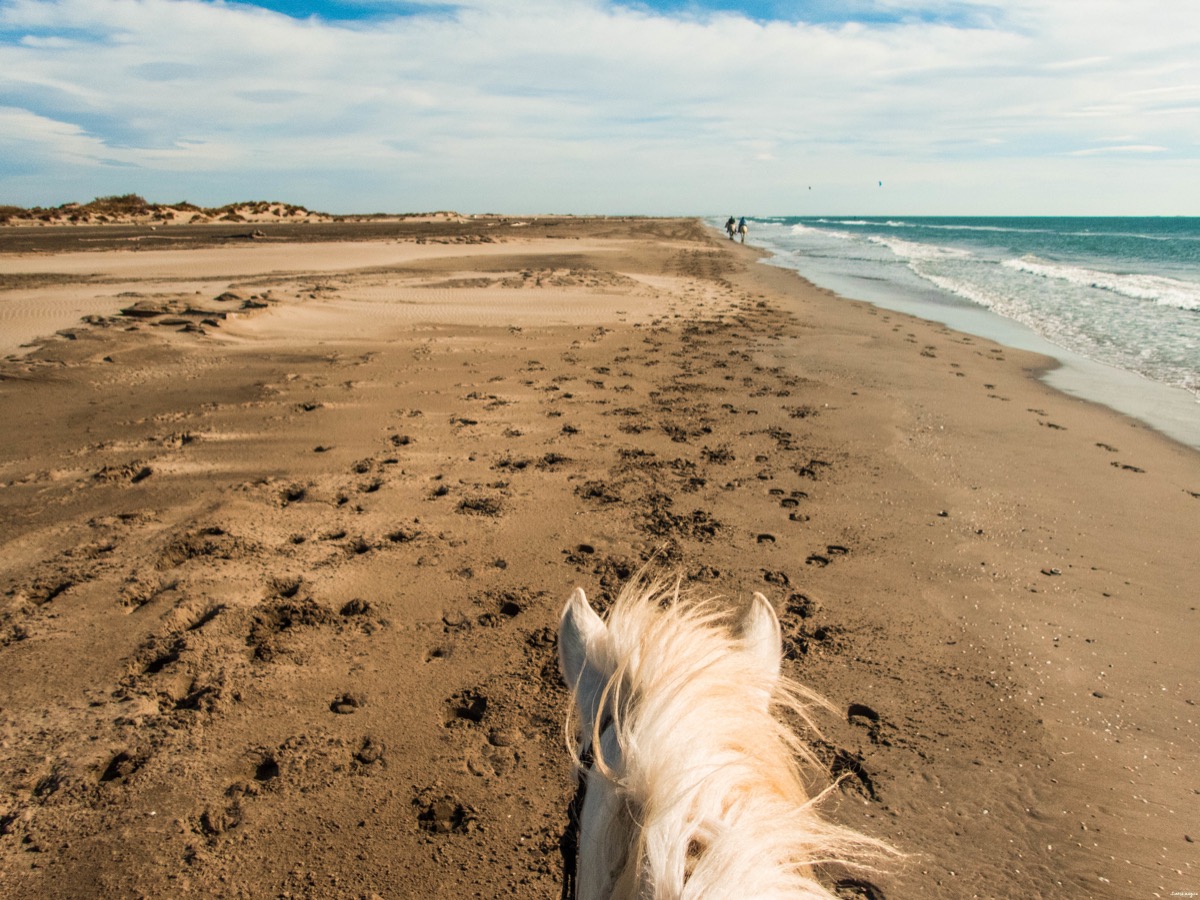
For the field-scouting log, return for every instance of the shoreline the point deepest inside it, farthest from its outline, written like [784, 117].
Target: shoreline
[1171, 410]
[279, 587]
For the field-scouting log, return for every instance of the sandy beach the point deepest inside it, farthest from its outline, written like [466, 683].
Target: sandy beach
[288, 519]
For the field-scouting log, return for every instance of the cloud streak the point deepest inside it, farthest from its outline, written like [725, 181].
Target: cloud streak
[596, 107]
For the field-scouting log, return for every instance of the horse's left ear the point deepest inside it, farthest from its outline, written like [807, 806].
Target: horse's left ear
[578, 627]
[761, 635]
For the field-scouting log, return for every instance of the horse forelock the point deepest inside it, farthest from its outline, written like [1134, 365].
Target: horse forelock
[713, 800]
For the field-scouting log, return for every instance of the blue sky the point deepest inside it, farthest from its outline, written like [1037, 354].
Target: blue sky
[1048, 107]
[811, 11]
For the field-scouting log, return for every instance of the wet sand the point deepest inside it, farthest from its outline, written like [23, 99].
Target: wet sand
[285, 544]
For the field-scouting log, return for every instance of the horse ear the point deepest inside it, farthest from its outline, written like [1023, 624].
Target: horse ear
[579, 626]
[761, 635]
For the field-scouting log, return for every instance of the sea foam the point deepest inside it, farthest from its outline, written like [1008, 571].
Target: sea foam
[1156, 288]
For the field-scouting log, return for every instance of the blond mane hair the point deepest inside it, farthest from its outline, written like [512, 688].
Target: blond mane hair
[701, 788]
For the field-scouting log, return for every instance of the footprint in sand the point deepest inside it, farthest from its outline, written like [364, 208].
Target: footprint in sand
[1127, 468]
[216, 821]
[205, 616]
[131, 473]
[490, 507]
[504, 606]
[818, 559]
[266, 769]
[440, 651]
[347, 704]
[121, 766]
[857, 889]
[802, 605]
[444, 815]
[467, 706]
[848, 769]
[372, 753]
[861, 714]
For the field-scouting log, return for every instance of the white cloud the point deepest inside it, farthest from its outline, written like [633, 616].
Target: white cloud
[26, 133]
[1120, 148]
[585, 106]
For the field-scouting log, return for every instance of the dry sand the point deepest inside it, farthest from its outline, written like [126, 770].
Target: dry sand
[284, 547]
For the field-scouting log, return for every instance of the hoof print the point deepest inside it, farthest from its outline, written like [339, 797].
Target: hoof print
[357, 607]
[215, 822]
[861, 714]
[803, 606]
[445, 815]
[501, 760]
[850, 773]
[403, 536]
[503, 606]
[347, 704]
[469, 706]
[121, 766]
[371, 752]
[266, 770]
[480, 506]
[856, 889]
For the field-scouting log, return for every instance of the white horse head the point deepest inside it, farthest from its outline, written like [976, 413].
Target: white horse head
[692, 785]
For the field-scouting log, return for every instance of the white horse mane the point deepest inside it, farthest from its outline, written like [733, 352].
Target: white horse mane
[695, 789]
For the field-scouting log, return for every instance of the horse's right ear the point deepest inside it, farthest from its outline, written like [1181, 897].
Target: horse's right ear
[580, 625]
[761, 635]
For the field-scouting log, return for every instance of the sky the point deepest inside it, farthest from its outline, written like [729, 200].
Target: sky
[696, 107]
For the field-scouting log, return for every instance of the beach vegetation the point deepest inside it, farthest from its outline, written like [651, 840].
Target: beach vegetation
[125, 207]
[123, 204]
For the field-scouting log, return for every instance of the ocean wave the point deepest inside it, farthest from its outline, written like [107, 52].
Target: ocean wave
[1134, 235]
[1001, 228]
[913, 250]
[828, 232]
[901, 223]
[890, 223]
[1155, 288]
[1078, 330]
[969, 291]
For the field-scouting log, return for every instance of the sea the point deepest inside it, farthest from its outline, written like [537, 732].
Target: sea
[1115, 300]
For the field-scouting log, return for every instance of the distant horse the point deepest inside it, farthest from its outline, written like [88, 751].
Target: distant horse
[689, 784]
[741, 229]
